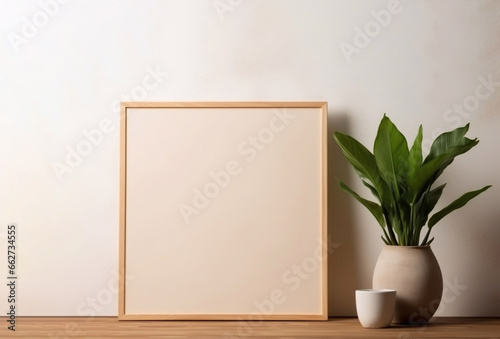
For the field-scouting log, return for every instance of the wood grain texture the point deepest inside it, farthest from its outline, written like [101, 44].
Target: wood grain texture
[122, 185]
[110, 327]
[324, 208]
[218, 316]
[226, 104]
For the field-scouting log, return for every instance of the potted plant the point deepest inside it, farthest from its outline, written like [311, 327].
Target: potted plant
[404, 185]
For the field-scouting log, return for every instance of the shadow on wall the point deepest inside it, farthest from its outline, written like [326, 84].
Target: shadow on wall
[342, 270]
[480, 268]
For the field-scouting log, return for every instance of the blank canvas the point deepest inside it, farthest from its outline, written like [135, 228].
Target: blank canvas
[223, 211]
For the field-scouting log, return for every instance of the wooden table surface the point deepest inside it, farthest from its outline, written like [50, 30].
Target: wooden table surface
[110, 327]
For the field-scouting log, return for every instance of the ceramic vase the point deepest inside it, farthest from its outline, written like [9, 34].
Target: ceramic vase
[413, 271]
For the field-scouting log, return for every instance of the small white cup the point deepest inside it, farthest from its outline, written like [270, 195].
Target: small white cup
[375, 307]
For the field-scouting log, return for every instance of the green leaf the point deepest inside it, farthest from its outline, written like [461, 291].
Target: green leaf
[387, 239]
[427, 203]
[427, 174]
[460, 202]
[421, 211]
[425, 242]
[374, 208]
[399, 216]
[391, 154]
[415, 158]
[371, 188]
[388, 214]
[446, 141]
[363, 162]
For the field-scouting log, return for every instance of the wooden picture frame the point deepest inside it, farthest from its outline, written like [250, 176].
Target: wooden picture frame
[223, 211]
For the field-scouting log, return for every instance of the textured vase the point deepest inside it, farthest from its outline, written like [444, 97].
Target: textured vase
[414, 273]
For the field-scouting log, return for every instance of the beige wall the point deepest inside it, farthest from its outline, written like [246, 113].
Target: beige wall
[65, 66]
